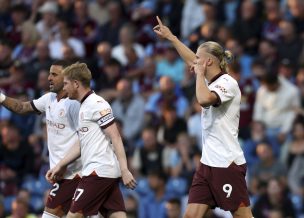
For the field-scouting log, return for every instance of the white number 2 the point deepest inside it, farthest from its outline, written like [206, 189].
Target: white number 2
[227, 188]
[56, 187]
[78, 193]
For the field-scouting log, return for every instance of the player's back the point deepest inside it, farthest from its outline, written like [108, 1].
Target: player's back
[97, 152]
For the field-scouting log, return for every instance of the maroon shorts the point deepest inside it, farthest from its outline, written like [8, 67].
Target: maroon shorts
[220, 187]
[95, 194]
[62, 193]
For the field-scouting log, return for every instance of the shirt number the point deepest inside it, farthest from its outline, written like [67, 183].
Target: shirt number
[54, 189]
[227, 188]
[78, 193]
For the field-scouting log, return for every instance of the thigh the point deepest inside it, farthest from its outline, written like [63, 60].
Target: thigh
[196, 210]
[114, 204]
[242, 212]
[200, 191]
[91, 194]
[60, 196]
[229, 187]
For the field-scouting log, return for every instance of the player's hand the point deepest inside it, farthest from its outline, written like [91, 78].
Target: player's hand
[162, 30]
[200, 67]
[128, 179]
[55, 174]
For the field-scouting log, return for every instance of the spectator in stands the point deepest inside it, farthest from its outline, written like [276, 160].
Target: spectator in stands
[290, 45]
[24, 51]
[66, 10]
[173, 208]
[274, 199]
[248, 28]
[129, 108]
[296, 8]
[64, 37]
[84, 28]
[5, 56]
[193, 123]
[150, 155]
[268, 167]
[126, 40]
[276, 104]
[167, 95]
[293, 157]
[286, 70]
[109, 32]
[300, 85]
[247, 99]
[20, 209]
[98, 11]
[171, 126]
[18, 15]
[153, 205]
[171, 65]
[47, 26]
[108, 79]
[41, 60]
[257, 136]
[16, 159]
[271, 29]
[268, 54]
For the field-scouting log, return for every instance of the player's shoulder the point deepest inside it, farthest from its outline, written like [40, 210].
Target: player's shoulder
[96, 101]
[226, 80]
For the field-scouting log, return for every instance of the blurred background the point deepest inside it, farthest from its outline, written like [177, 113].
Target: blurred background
[152, 93]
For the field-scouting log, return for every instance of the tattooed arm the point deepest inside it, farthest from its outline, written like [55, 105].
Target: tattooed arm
[17, 106]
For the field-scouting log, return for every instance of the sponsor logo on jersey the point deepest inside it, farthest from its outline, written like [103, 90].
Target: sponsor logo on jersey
[83, 129]
[221, 88]
[55, 125]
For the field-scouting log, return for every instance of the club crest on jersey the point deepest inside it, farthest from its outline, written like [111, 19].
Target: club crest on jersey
[61, 113]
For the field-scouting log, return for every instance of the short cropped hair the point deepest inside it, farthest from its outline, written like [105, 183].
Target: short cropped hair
[80, 72]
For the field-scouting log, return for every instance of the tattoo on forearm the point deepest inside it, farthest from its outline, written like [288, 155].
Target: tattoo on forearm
[17, 106]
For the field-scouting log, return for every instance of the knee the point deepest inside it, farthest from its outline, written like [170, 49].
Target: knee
[56, 211]
[74, 215]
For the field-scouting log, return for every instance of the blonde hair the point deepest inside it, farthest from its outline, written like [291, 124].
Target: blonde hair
[78, 71]
[224, 56]
[33, 35]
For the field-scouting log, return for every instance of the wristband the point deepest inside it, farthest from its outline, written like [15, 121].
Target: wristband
[2, 97]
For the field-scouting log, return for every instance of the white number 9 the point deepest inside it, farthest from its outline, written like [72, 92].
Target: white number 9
[227, 188]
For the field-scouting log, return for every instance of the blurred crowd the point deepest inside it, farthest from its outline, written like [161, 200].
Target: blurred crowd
[152, 93]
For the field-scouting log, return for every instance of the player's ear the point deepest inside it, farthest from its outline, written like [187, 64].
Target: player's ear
[76, 83]
[209, 62]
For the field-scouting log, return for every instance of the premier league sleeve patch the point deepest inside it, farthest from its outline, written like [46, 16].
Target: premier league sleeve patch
[106, 117]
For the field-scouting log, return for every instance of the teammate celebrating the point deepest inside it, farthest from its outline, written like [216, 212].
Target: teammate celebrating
[220, 179]
[101, 148]
[61, 119]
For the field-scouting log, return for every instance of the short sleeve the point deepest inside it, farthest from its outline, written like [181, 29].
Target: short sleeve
[224, 89]
[103, 114]
[40, 104]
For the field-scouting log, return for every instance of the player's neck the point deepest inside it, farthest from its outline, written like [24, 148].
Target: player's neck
[61, 94]
[83, 92]
[212, 72]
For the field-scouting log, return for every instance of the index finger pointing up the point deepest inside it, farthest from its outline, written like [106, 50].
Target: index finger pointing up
[159, 21]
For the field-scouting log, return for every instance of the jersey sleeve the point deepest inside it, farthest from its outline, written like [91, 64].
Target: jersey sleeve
[40, 104]
[224, 89]
[103, 114]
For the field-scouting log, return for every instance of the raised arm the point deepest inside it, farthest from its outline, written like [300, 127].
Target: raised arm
[113, 133]
[163, 31]
[16, 105]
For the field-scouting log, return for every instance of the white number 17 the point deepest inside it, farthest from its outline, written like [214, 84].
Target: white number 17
[78, 193]
[227, 188]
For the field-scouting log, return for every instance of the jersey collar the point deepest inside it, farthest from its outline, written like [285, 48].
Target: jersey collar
[216, 77]
[86, 95]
